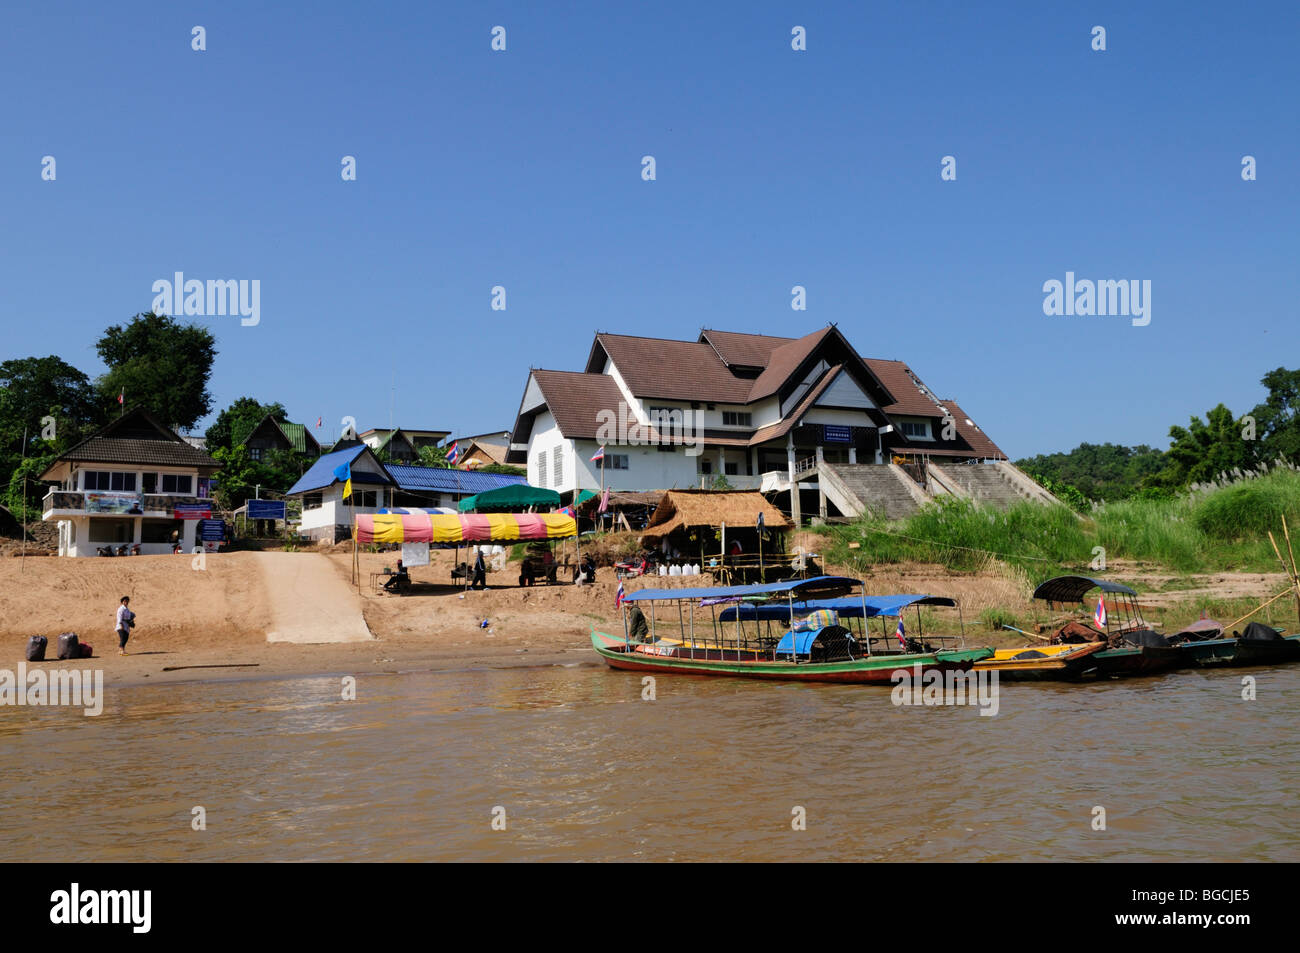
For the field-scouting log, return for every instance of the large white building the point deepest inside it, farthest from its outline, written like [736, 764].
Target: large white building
[134, 482]
[729, 405]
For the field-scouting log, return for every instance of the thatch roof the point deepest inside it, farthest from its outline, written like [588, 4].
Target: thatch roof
[739, 509]
[619, 499]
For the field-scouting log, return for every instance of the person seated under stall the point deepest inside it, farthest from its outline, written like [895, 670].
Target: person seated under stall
[398, 581]
[527, 571]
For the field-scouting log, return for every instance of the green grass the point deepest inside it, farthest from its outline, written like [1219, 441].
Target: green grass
[996, 618]
[1208, 531]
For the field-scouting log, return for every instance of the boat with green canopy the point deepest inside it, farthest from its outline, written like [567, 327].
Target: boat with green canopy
[789, 631]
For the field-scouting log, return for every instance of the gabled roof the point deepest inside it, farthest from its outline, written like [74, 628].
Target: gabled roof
[295, 435]
[136, 437]
[670, 370]
[321, 473]
[784, 361]
[909, 393]
[738, 349]
[783, 426]
[575, 399]
[680, 509]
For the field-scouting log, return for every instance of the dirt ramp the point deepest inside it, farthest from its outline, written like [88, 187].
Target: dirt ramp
[310, 601]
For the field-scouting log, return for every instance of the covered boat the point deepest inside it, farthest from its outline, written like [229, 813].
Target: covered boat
[803, 640]
[1130, 645]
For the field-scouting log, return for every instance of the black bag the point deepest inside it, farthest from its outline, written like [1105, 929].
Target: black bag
[36, 648]
[69, 646]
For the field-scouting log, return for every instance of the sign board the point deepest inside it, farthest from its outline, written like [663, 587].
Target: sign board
[834, 433]
[415, 554]
[266, 510]
[211, 530]
[128, 503]
[192, 511]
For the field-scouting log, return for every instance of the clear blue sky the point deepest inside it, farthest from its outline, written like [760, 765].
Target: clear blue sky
[775, 168]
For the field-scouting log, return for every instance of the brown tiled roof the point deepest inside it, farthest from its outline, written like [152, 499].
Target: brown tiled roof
[903, 387]
[144, 440]
[674, 370]
[575, 399]
[977, 439]
[784, 361]
[737, 349]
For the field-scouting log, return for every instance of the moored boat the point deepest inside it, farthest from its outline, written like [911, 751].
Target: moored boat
[808, 644]
[1042, 662]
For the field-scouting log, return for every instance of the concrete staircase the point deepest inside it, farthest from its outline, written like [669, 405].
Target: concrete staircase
[995, 484]
[883, 489]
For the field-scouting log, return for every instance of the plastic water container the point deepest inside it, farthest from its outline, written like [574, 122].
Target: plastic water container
[663, 570]
[695, 569]
[675, 571]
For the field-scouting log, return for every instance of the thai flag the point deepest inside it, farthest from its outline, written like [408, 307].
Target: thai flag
[899, 634]
[121, 397]
[453, 452]
[600, 454]
[319, 421]
[619, 597]
[1099, 616]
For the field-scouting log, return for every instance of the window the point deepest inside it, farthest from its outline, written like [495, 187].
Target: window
[112, 531]
[365, 498]
[176, 483]
[313, 501]
[557, 466]
[731, 469]
[110, 481]
[255, 453]
[667, 420]
[737, 419]
[160, 531]
[913, 428]
[541, 468]
[149, 482]
[706, 466]
[612, 461]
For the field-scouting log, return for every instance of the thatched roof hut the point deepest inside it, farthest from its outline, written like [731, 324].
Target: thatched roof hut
[709, 509]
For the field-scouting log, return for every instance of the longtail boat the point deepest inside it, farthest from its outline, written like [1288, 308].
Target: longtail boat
[808, 643]
[1042, 662]
[1129, 645]
[1205, 645]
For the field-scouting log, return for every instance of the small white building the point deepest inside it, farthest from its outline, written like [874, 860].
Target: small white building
[134, 482]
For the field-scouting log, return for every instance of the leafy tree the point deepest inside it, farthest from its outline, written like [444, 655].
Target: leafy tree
[161, 365]
[236, 422]
[1098, 471]
[1277, 420]
[434, 457]
[1204, 449]
[241, 475]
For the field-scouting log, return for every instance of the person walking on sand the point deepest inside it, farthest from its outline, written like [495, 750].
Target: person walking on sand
[480, 571]
[124, 623]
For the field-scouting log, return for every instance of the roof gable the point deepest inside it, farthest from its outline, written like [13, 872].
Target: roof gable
[136, 437]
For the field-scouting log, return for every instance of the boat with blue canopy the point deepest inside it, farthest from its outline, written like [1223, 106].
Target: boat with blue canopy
[792, 630]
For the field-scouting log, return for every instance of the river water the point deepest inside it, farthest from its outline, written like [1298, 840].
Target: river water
[577, 766]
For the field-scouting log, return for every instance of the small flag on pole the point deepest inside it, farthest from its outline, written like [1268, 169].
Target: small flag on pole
[619, 597]
[1099, 616]
[902, 640]
[319, 421]
[604, 502]
[453, 452]
[344, 473]
[121, 398]
[600, 454]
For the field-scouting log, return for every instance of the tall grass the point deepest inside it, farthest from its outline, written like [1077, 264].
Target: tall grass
[1218, 528]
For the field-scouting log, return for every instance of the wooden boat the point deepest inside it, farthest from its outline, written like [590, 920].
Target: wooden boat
[823, 651]
[1129, 645]
[1204, 644]
[1042, 662]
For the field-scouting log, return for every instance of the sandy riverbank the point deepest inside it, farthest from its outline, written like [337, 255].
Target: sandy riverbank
[213, 623]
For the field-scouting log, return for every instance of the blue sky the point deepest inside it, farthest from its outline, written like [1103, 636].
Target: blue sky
[775, 168]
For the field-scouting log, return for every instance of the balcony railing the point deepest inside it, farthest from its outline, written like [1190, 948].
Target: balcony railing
[73, 502]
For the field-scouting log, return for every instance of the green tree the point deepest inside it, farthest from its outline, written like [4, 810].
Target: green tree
[1098, 471]
[161, 365]
[1204, 449]
[236, 422]
[1277, 420]
[241, 475]
[434, 457]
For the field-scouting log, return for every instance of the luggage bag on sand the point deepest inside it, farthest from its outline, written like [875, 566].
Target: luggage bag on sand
[69, 646]
[36, 648]
[87, 650]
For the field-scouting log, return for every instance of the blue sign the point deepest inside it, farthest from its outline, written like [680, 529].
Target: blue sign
[212, 531]
[832, 433]
[266, 509]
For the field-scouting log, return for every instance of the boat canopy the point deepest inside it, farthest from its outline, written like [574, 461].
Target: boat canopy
[463, 528]
[802, 641]
[849, 608]
[799, 589]
[1073, 588]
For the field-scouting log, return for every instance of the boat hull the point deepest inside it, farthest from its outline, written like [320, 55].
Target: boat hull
[1217, 653]
[874, 669]
[1065, 664]
[1145, 660]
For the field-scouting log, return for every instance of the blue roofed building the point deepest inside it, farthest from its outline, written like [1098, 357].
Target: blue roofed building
[327, 517]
